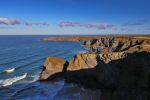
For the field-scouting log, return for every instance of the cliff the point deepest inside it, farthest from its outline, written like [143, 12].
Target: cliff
[52, 65]
[87, 38]
[119, 44]
[120, 67]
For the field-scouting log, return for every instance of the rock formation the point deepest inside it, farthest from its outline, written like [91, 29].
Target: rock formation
[120, 67]
[52, 65]
[120, 44]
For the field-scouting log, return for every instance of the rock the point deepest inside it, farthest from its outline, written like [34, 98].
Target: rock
[91, 64]
[93, 69]
[115, 44]
[87, 60]
[82, 61]
[107, 57]
[123, 78]
[52, 66]
[120, 67]
[132, 78]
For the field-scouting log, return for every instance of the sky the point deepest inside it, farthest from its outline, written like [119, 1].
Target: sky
[74, 17]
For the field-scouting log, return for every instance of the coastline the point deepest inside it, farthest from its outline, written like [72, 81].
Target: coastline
[87, 38]
[102, 69]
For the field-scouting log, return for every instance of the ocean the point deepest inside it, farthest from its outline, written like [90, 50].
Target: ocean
[21, 60]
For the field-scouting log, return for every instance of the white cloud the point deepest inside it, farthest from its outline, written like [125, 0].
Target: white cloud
[100, 26]
[10, 21]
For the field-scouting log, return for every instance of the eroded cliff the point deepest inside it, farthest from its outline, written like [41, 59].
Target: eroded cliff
[120, 67]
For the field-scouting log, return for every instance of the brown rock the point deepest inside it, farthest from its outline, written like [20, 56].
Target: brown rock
[52, 66]
[107, 57]
[116, 44]
[85, 61]
[121, 70]
[82, 61]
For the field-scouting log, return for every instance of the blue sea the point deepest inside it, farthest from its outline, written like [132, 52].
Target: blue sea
[21, 60]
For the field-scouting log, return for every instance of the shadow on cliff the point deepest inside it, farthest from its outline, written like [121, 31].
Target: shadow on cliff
[123, 79]
[131, 78]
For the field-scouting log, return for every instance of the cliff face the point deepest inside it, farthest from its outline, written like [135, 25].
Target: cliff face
[52, 65]
[120, 67]
[87, 60]
[131, 79]
[112, 44]
[121, 79]
[82, 61]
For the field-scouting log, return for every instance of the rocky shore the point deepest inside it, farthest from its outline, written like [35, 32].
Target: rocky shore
[118, 66]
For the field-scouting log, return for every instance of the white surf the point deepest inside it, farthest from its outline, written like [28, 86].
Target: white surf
[10, 81]
[10, 70]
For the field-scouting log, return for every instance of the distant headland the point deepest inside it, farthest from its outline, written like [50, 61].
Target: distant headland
[89, 37]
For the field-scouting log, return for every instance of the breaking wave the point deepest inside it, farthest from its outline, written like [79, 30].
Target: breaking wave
[10, 81]
[10, 70]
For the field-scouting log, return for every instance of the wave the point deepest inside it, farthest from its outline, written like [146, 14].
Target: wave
[8, 55]
[64, 52]
[10, 81]
[35, 77]
[18, 59]
[10, 70]
[30, 63]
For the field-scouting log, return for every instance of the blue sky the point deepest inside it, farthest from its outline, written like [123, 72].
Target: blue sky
[74, 17]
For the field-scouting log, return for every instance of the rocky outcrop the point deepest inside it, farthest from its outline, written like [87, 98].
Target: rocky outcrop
[87, 60]
[119, 67]
[82, 61]
[111, 48]
[120, 79]
[52, 65]
[113, 44]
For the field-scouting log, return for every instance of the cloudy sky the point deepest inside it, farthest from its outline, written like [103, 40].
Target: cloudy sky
[52, 17]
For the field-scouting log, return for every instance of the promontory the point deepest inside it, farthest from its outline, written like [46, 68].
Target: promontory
[117, 65]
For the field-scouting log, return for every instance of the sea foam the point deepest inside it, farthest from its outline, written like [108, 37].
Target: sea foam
[10, 81]
[10, 70]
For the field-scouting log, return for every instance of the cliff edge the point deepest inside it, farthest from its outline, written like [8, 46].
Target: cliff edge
[120, 67]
